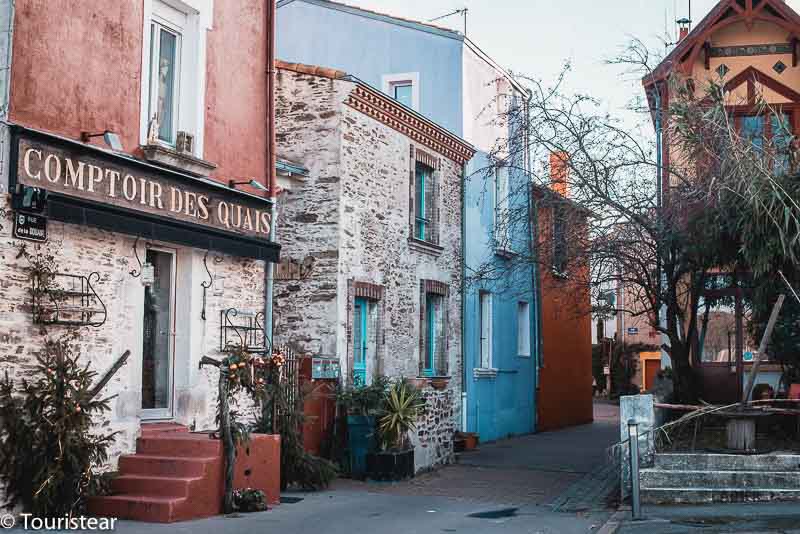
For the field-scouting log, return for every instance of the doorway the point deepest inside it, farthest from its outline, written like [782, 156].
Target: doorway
[158, 348]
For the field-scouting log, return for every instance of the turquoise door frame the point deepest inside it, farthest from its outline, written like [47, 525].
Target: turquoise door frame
[360, 337]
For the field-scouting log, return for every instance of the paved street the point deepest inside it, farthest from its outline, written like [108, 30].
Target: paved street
[713, 519]
[553, 482]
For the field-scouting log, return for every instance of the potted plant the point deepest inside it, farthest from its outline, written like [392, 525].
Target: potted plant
[360, 404]
[395, 461]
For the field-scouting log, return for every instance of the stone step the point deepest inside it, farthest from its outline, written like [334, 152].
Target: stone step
[673, 478]
[716, 495]
[138, 508]
[727, 462]
[177, 444]
[155, 486]
[142, 464]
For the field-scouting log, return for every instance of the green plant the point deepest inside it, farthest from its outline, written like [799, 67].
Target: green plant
[282, 413]
[249, 500]
[402, 404]
[364, 399]
[48, 446]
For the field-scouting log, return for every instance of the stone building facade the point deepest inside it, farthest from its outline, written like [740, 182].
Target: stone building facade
[384, 293]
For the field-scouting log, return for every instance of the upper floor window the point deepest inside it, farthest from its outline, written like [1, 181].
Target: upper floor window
[523, 329]
[502, 213]
[173, 73]
[404, 88]
[770, 134]
[165, 45]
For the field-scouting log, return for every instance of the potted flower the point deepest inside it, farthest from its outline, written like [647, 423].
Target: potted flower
[395, 461]
[360, 404]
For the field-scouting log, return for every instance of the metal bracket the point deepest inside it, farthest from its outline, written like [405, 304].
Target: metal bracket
[136, 273]
[207, 285]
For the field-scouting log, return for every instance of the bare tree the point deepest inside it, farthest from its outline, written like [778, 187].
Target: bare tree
[721, 193]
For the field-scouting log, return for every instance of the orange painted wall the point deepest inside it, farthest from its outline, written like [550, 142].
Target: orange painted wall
[77, 67]
[565, 383]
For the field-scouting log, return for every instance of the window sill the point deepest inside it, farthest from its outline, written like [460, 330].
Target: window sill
[425, 247]
[484, 373]
[168, 157]
[523, 356]
[505, 253]
[435, 382]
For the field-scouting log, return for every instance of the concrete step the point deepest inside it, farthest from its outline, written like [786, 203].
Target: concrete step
[716, 495]
[673, 478]
[154, 486]
[143, 464]
[149, 429]
[138, 508]
[177, 444]
[727, 462]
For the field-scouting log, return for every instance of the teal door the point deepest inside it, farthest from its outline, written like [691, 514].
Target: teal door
[360, 337]
[430, 335]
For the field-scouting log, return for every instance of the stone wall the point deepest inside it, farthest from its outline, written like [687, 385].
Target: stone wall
[81, 250]
[433, 440]
[352, 214]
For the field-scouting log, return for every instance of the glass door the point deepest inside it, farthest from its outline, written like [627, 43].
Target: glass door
[158, 339]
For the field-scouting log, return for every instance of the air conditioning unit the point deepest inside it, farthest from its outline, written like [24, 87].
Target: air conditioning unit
[185, 143]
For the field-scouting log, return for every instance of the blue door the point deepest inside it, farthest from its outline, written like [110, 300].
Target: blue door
[360, 337]
[430, 335]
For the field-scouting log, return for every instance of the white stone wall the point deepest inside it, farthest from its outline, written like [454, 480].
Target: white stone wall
[352, 214]
[81, 250]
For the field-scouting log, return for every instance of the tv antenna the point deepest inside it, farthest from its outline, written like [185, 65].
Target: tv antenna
[463, 12]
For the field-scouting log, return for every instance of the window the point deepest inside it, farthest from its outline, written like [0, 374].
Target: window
[769, 134]
[403, 87]
[502, 218]
[523, 329]
[164, 80]
[485, 303]
[432, 341]
[402, 92]
[360, 341]
[173, 73]
[424, 202]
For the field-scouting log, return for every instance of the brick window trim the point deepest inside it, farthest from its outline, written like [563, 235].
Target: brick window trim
[418, 155]
[368, 291]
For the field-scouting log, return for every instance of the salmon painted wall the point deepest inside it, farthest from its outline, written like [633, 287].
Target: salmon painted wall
[77, 67]
[565, 392]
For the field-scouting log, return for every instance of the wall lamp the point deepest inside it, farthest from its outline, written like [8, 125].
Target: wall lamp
[111, 139]
[252, 183]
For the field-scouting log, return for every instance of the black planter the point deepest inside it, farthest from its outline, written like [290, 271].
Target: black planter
[391, 465]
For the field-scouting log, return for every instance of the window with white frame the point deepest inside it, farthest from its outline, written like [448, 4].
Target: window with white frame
[165, 56]
[403, 87]
[174, 67]
[502, 213]
[485, 303]
[523, 329]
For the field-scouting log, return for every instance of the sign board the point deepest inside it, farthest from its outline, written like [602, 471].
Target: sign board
[90, 175]
[30, 227]
[632, 331]
[324, 368]
[606, 370]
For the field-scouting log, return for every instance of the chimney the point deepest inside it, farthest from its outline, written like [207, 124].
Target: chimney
[683, 26]
[684, 34]
[559, 173]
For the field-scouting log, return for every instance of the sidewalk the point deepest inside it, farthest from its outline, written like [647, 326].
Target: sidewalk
[751, 518]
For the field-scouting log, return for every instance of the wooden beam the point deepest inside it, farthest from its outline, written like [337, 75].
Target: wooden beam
[762, 348]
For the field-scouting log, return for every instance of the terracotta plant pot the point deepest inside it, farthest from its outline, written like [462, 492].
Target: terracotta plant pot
[439, 383]
[468, 439]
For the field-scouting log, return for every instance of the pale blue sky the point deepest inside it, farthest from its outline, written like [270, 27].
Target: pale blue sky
[535, 37]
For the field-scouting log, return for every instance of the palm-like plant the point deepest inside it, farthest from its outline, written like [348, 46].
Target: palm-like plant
[402, 406]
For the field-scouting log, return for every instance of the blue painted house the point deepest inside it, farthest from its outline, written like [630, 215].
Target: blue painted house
[446, 77]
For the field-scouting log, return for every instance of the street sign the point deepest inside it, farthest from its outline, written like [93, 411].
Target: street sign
[30, 227]
[632, 331]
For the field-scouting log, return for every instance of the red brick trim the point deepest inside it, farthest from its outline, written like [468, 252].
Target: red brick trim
[388, 111]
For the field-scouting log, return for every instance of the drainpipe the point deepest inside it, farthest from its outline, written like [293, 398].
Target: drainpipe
[269, 130]
[533, 217]
[463, 298]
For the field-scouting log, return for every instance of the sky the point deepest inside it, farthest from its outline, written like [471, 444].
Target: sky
[536, 37]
